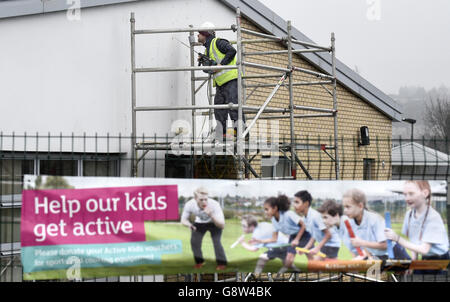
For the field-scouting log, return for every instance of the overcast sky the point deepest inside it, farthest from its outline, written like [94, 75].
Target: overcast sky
[393, 43]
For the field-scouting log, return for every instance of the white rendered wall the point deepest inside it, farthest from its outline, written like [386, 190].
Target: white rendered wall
[62, 76]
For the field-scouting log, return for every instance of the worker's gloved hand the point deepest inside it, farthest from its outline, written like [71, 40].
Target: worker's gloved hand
[204, 60]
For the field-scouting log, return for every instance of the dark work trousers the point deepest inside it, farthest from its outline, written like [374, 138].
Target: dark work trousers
[225, 94]
[197, 238]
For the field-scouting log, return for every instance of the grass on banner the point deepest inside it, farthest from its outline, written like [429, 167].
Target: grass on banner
[239, 258]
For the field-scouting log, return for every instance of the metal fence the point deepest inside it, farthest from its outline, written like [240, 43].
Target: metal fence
[172, 157]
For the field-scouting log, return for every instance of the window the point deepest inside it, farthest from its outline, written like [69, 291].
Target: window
[369, 169]
[100, 168]
[272, 167]
[9, 225]
[58, 167]
[12, 171]
[11, 180]
[178, 166]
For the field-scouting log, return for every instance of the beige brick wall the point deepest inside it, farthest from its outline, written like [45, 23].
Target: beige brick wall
[353, 114]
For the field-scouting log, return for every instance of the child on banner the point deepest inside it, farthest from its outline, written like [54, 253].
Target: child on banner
[262, 231]
[368, 228]
[332, 215]
[334, 218]
[328, 239]
[423, 225]
[286, 222]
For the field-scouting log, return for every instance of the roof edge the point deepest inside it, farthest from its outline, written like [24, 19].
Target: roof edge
[17, 8]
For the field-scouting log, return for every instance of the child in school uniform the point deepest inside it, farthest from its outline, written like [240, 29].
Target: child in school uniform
[423, 225]
[332, 214]
[286, 222]
[367, 226]
[261, 231]
[334, 218]
[328, 239]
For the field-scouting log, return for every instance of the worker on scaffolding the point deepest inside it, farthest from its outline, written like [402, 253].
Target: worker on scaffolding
[220, 52]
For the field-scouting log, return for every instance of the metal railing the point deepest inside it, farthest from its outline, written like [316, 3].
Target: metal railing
[110, 156]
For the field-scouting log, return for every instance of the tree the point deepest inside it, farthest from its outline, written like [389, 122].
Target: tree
[437, 119]
[52, 182]
[437, 116]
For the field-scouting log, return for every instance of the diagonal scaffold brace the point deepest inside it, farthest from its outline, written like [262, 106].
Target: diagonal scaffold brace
[280, 83]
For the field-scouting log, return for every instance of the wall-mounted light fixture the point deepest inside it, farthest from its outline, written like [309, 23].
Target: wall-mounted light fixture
[412, 122]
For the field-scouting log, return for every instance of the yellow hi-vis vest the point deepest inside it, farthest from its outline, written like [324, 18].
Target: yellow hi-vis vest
[223, 76]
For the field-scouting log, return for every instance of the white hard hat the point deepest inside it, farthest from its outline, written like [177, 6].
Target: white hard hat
[208, 25]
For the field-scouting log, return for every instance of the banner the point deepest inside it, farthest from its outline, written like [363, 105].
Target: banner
[85, 227]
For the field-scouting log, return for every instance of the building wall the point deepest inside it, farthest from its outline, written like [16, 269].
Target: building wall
[62, 76]
[353, 114]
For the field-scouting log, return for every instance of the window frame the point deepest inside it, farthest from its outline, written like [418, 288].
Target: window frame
[37, 157]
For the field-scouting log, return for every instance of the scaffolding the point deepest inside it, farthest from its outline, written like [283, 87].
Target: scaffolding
[241, 149]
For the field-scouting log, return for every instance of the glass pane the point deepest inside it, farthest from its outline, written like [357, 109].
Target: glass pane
[368, 169]
[59, 167]
[267, 167]
[100, 168]
[11, 269]
[267, 171]
[178, 166]
[12, 171]
[283, 167]
[9, 225]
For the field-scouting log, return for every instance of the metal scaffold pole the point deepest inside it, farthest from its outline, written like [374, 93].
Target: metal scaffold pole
[248, 169]
[240, 126]
[335, 104]
[291, 102]
[193, 94]
[133, 98]
[211, 103]
[192, 55]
